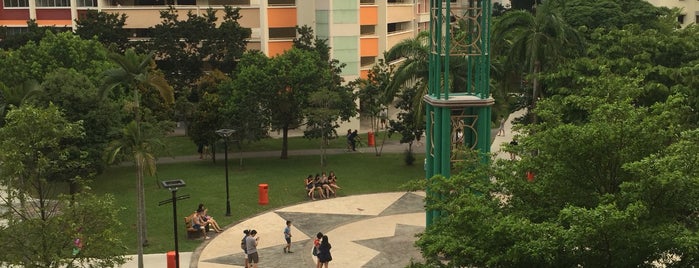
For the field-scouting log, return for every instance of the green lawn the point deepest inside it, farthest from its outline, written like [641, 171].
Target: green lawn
[183, 145]
[357, 174]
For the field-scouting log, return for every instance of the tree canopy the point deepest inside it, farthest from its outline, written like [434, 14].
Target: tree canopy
[610, 157]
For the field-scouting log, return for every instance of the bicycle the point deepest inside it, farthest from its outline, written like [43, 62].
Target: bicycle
[357, 144]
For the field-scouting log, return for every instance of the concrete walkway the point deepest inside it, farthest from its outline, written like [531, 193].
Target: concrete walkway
[376, 230]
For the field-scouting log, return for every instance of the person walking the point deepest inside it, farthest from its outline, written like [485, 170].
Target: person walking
[244, 247]
[350, 140]
[324, 256]
[251, 247]
[501, 130]
[316, 245]
[287, 237]
[353, 137]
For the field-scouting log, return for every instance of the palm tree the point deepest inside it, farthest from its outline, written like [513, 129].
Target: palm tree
[534, 41]
[136, 71]
[16, 96]
[414, 70]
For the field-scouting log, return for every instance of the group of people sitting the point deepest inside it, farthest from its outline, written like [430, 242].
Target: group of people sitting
[203, 222]
[324, 185]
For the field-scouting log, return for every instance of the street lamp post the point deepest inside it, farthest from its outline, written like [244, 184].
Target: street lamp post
[225, 133]
[173, 185]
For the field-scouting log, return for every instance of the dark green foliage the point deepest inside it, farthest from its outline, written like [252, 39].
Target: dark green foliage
[407, 124]
[37, 147]
[63, 50]
[33, 34]
[107, 28]
[77, 97]
[613, 184]
[610, 14]
[185, 47]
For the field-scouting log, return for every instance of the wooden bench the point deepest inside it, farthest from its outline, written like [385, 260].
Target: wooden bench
[189, 226]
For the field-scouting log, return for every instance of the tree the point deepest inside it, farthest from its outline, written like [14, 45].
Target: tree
[415, 67]
[534, 42]
[525, 4]
[16, 96]
[34, 34]
[372, 95]
[137, 72]
[207, 109]
[78, 98]
[416, 52]
[499, 9]
[242, 103]
[185, 46]
[610, 14]
[108, 28]
[36, 144]
[293, 76]
[612, 181]
[409, 127]
[336, 83]
[548, 222]
[322, 116]
[63, 50]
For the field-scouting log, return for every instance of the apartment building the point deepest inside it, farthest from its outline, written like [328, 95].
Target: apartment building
[690, 9]
[357, 30]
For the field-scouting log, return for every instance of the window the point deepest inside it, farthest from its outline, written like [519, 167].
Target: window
[140, 33]
[398, 27]
[282, 2]
[680, 18]
[16, 30]
[16, 3]
[366, 2]
[229, 2]
[367, 29]
[282, 33]
[367, 61]
[397, 1]
[52, 3]
[87, 3]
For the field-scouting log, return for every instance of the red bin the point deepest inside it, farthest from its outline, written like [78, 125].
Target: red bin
[370, 138]
[263, 190]
[171, 259]
[530, 176]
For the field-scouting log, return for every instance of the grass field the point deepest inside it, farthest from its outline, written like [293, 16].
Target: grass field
[357, 174]
[183, 145]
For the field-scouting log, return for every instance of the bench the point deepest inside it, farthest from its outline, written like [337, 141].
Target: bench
[189, 226]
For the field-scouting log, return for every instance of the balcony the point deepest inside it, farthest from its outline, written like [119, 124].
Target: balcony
[400, 13]
[147, 16]
[394, 38]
